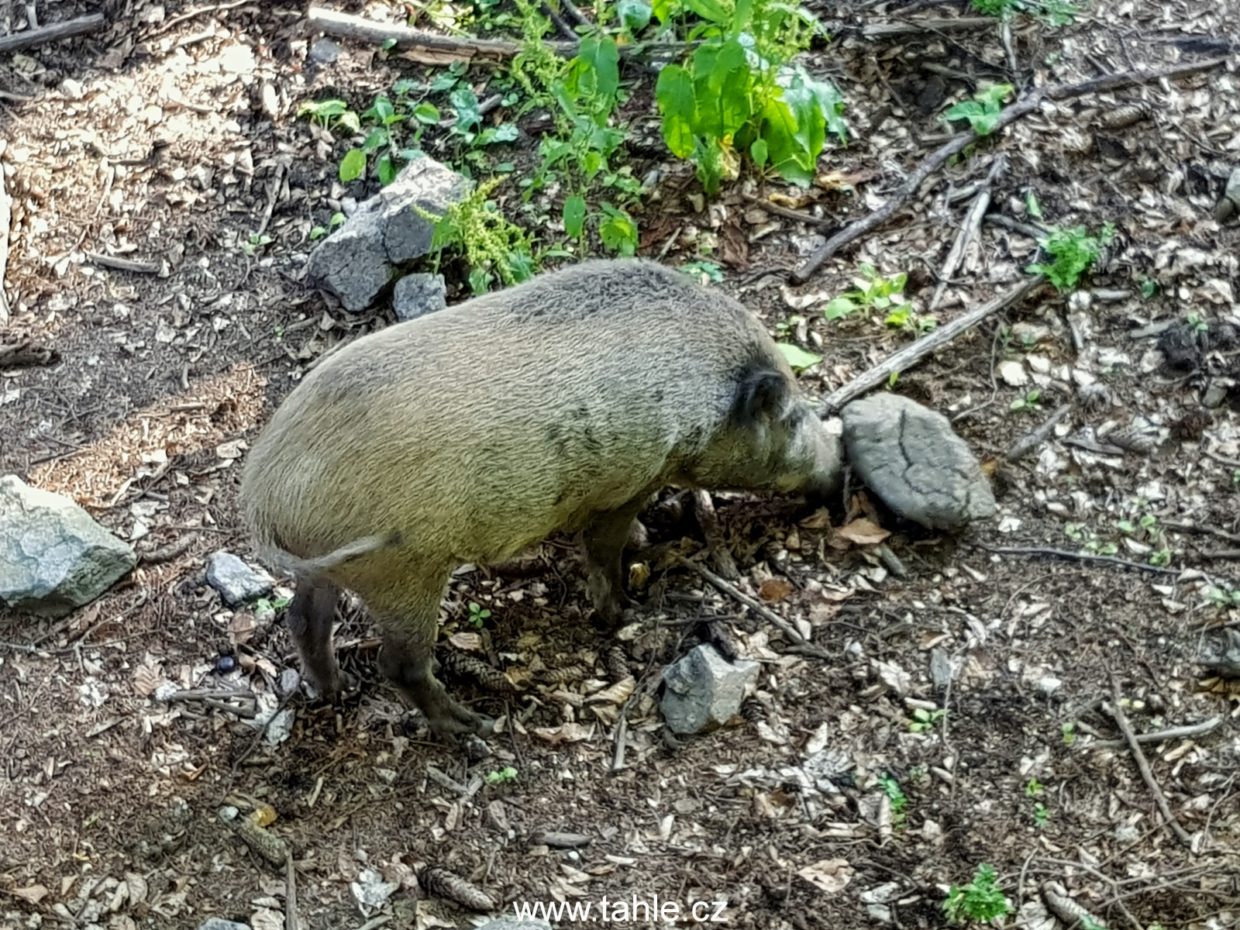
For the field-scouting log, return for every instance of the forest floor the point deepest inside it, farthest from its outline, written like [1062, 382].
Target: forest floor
[966, 715]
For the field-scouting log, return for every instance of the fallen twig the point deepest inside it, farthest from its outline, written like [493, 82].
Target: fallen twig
[923, 24]
[53, 33]
[787, 212]
[1032, 440]
[25, 354]
[805, 647]
[1200, 528]
[968, 229]
[5, 218]
[1037, 233]
[123, 264]
[1115, 709]
[1160, 736]
[1067, 555]
[708, 520]
[290, 895]
[358, 27]
[959, 143]
[911, 354]
[1220, 554]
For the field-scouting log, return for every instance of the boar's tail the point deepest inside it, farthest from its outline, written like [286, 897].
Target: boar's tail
[290, 564]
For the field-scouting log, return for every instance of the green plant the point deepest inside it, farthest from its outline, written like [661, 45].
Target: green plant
[478, 615]
[502, 776]
[493, 247]
[1051, 12]
[1067, 732]
[1149, 288]
[798, 359]
[1029, 402]
[738, 93]
[318, 232]
[982, 112]
[1041, 815]
[1196, 323]
[1071, 252]
[925, 720]
[256, 243]
[707, 271]
[897, 797]
[1089, 540]
[1032, 205]
[278, 603]
[1034, 788]
[872, 291]
[1223, 597]
[978, 901]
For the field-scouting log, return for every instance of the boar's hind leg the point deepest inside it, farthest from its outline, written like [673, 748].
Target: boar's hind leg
[310, 617]
[408, 638]
[603, 539]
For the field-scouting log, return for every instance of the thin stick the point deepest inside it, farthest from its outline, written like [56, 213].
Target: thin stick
[290, 895]
[1200, 528]
[1159, 736]
[5, 221]
[1031, 441]
[923, 24]
[1077, 557]
[968, 229]
[53, 33]
[911, 354]
[1116, 710]
[806, 648]
[123, 264]
[346, 26]
[959, 143]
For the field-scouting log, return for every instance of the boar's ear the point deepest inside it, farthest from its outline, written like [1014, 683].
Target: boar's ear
[762, 396]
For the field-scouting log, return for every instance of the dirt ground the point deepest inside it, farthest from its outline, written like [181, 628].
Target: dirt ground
[963, 717]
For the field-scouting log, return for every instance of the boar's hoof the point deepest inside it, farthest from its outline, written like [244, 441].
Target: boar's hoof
[448, 718]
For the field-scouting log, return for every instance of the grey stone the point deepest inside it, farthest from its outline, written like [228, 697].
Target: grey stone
[359, 259]
[910, 457]
[53, 556]
[323, 51]
[511, 923]
[703, 690]
[218, 923]
[419, 294]
[236, 581]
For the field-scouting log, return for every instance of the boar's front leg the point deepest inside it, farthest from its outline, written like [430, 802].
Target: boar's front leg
[309, 619]
[603, 539]
[408, 639]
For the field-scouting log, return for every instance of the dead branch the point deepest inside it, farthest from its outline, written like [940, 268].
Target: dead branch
[5, 218]
[1032, 440]
[116, 263]
[53, 33]
[757, 607]
[1036, 233]
[343, 25]
[910, 355]
[959, 143]
[1160, 736]
[968, 229]
[26, 354]
[1116, 710]
[1049, 552]
[923, 24]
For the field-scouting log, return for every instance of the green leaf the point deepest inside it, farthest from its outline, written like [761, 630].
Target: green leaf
[618, 231]
[601, 59]
[386, 169]
[840, 307]
[575, 215]
[352, 165]
[710, 10]
[468, 113]
[426, 113]
[634, 15]
[382, 109]
[758, 152]
[799, 359]
[674, 94]
[350, 121]
[377, 139]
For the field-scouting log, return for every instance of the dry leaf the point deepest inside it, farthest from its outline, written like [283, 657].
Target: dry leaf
[564, 733]
[471, 642]
[617, 694]
[147, 677]
[32, 893]
[829, 875]
[862, 532]
[774, 590]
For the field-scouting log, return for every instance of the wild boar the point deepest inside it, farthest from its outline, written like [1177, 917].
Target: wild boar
[471, 434]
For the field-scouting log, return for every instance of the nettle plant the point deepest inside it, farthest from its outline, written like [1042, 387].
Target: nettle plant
[740, 94]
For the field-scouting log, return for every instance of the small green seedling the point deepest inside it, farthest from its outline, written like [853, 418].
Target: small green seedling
[278, 603]
[478, 615]
[1041, 815]
[1223, 597]
[979, 901]
[897, 797]
[1051, 12]
[982, 112]
[797, 358]
[926, 720]
[708, 271]
[1029, 402]
[1149, 289]
[502, 776]
[1070, 253]
[1196, 323]
[871, 291]
[1067, 733]
[1032, 205]
[318, 232]
[256, 243]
